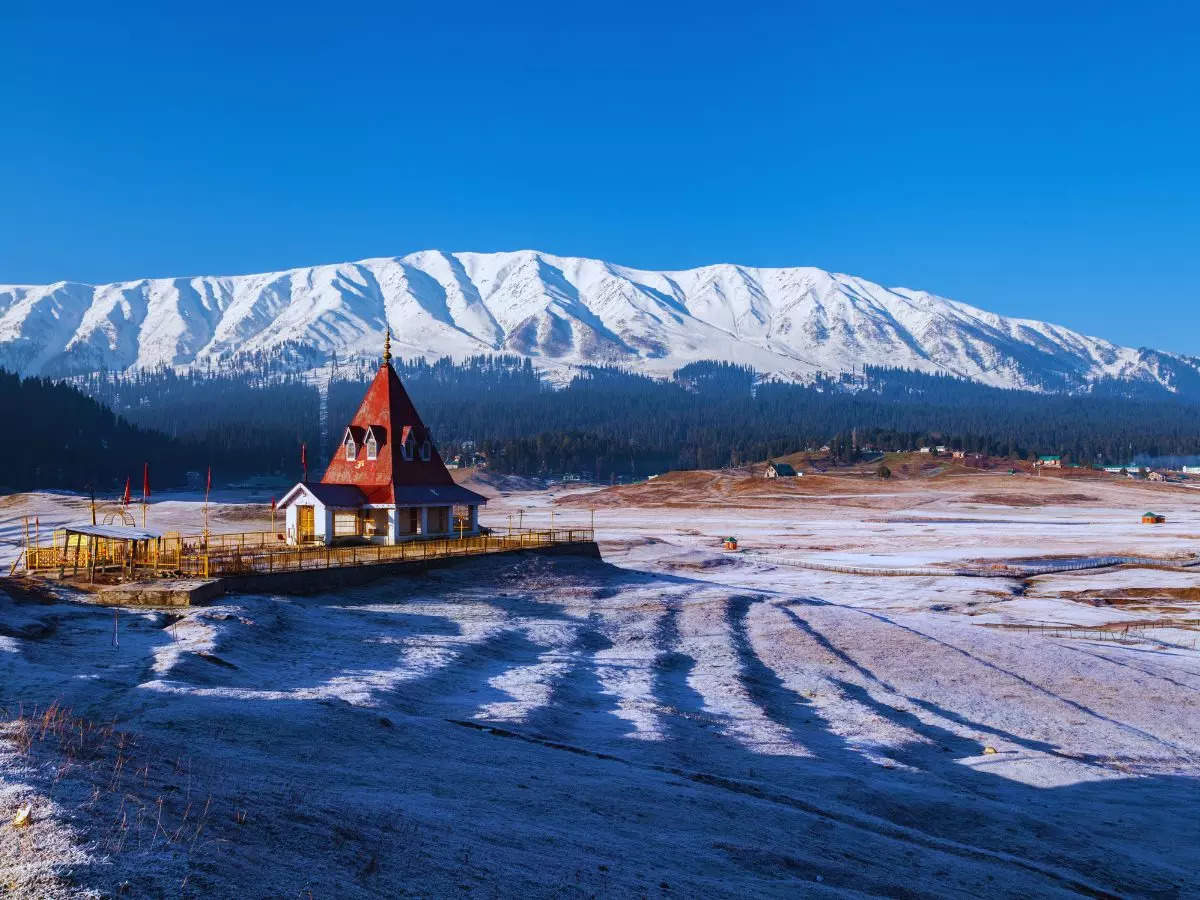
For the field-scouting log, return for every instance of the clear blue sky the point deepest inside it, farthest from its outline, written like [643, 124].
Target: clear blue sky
[1033, 162]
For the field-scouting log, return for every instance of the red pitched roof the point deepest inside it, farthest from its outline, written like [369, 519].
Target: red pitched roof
[387, 410]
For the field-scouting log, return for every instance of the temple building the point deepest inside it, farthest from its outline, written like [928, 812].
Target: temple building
[386, 482]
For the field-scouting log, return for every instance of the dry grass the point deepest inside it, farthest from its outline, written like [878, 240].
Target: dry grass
[128, 797]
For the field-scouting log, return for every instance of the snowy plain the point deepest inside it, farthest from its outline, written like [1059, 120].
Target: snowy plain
[671, 720]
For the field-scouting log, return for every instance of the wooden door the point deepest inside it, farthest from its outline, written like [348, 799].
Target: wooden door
[306, 524]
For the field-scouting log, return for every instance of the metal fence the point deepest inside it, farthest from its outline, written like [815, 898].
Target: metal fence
[995, 570]
[243, 553]
[241, 560]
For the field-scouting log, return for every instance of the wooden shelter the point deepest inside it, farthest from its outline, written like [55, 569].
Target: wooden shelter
[91, 548]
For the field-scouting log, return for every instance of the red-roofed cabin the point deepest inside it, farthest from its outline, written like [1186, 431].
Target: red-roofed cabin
[386, 482]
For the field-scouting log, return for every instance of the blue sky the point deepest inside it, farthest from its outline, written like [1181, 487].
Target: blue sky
[1032, 162]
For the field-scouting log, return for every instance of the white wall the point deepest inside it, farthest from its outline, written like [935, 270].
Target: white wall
[322, 518]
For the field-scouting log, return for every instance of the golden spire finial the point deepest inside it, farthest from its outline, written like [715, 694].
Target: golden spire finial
[387, 346]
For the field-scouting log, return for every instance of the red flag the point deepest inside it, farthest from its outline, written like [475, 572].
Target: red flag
[145, 482]
[304, 459]
[125, 498]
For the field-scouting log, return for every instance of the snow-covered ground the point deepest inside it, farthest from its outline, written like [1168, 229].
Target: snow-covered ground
[670, 721]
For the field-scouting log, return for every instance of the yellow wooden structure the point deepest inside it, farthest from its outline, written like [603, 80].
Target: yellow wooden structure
[121, 553]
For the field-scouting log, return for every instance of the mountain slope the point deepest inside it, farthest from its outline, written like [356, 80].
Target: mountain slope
[562, 312]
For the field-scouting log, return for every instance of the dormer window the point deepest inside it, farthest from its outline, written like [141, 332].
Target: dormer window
[407, 443]
[372, 447]
[351, 448]
[426, 450]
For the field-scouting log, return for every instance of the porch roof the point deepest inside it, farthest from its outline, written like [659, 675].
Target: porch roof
[436, 495]
[341, 496]
[113, 532]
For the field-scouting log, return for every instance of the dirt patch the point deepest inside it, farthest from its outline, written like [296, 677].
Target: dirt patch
[1017, 499]
[244, 512]
[696, 562]
[1125, 596]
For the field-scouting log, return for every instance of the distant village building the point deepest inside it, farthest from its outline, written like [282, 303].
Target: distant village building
[925, 450]
[386, 482]
[780, 470]
[1191, 470]
[1156, 476]
[1152, 518]
[1049, 462]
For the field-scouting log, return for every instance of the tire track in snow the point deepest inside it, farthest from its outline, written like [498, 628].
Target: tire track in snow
[864, 822]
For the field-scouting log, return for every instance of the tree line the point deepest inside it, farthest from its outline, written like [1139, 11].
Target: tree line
[605, 422]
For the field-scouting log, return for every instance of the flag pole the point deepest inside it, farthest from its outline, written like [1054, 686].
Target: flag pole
[207, 489]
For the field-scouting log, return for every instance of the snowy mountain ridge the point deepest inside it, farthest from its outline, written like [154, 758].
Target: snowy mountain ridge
[562, 312]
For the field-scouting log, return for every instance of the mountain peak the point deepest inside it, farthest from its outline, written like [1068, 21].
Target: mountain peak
[562, 312]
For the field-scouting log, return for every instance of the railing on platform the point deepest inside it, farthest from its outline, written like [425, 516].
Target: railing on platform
[216, 555]
[234, 560]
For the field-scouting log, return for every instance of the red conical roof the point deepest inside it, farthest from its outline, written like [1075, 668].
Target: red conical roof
[387, 413]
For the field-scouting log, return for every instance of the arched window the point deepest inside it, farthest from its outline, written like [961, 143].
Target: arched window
[372, 447]
[351, 448]
[426, 450]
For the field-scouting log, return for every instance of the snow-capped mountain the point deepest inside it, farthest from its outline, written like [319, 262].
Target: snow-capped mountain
[562, 312]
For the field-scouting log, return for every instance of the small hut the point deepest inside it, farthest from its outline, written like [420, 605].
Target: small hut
[1153, 518]
[89, 548]
[780, 470]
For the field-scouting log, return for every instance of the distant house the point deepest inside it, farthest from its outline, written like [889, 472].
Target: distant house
[1049, 462]
[780, 470]
[925, 450]
[1191, 470]
[1156, 476]
[940, 449]
[959, 454]
[1152, 518]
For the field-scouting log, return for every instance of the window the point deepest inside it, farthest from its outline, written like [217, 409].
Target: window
[407, 447]
[438, 518]
[345, 524]
[351, 448]
[372, 448]
[426, 450]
